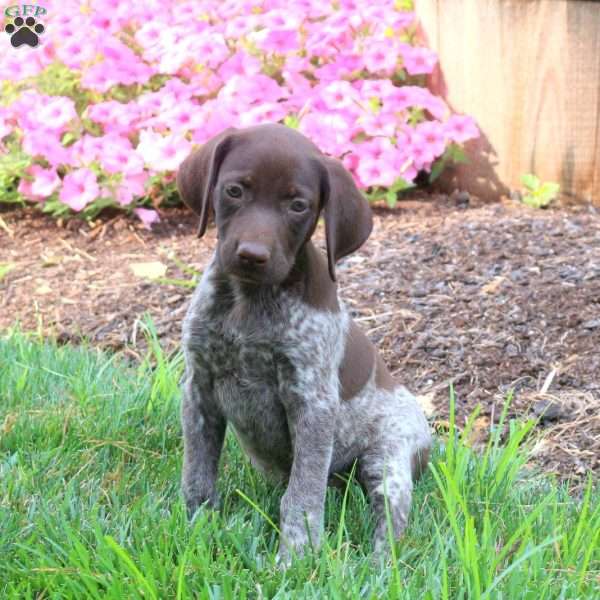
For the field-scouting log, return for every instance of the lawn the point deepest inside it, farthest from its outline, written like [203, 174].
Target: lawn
[90, 455]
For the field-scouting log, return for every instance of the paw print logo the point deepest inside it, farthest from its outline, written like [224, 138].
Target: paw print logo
[24, 31]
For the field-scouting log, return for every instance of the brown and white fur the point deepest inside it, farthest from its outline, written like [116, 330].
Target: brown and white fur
[270, 348]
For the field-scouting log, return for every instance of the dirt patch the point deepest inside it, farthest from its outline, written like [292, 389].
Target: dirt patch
[488, 298]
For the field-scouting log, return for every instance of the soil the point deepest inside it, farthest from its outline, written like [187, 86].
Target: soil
[493, 299]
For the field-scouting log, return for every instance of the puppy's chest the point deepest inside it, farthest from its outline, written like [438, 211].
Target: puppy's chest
[246, 363]
[257, 354]
[250, 364]
[257, 347]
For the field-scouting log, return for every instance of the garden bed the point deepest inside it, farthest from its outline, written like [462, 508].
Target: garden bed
[486, 297]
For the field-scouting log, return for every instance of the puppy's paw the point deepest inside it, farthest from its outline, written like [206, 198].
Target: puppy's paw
[293, 543]
[283, 559]
[288, 552]
[382, 553]
[196, 503]
[382, 538]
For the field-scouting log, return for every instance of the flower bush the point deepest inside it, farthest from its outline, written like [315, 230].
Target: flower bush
[117, 94]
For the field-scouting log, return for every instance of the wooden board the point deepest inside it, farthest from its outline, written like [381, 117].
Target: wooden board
[529, 72]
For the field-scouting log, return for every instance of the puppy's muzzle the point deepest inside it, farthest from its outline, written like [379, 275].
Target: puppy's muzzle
[253, 255]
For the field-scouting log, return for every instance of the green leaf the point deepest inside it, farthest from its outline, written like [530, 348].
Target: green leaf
[374, 104]
[399, 76]
[415, 116]
[548, 192]
[69, 138]
[55, 207]
[5, 269]
[436, 170]
[291, 121]
[531, 200]
[391, 199]
[530, 181]
[400, 185]
[457, 154]
[404, 5]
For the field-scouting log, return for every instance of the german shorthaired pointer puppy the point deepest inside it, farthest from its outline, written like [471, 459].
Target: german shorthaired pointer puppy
[271, 349]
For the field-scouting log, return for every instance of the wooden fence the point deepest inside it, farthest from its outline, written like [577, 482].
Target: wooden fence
[529, 72]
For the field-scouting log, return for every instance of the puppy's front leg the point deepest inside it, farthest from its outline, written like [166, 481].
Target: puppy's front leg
[302, 506]
[203, 435]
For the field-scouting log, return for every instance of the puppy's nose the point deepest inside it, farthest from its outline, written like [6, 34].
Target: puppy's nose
[251, 253]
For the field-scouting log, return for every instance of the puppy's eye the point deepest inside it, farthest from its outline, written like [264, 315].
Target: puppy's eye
[234, 190]
[298, 206]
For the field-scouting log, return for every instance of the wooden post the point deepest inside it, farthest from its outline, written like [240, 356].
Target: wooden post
[529, 72]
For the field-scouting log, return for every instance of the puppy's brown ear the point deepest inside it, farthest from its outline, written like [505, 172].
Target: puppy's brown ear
[198, 174]
[348, 218]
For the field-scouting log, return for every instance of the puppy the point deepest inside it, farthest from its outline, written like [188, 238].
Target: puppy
[271, 350]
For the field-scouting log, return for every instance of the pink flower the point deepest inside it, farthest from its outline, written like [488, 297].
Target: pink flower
[25, 189]
[86, 149]
[46, 144]
[420, 151]
[289, 18]
[214, 65]
[76, 51]
[180, 90]
[411, 95]
[118, 156]
[211, 48]
[381, 57]
[339, 95]
[240, 26]
[240, 64]
[116, 117]
[79, 188]
[149, 34]
[418, 61]
[14, 68]
[434, 136]
[460, 128]
[351, 161]
[269, 112]
[120, 64]
[390, 18]
[331, 132]
[51, 113]
[378, 148]
[57, 113]
[380, 163]
[216, 118]
[407, 171]
[181, 117]
[342, 66]
[131, 187]
[407, 95]
[45, 181]
[103, 22]
[147, 216]
[376, 172]
[279, 41]
[300, 89]
[163, 153]
[241, 91]
[378, 124]
[376, 88]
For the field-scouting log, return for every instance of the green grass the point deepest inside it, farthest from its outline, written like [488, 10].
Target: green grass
[90, 455]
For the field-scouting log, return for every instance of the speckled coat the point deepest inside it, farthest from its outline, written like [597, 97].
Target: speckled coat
[301, 386]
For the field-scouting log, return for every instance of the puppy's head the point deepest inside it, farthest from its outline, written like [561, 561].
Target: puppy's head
[266, 186]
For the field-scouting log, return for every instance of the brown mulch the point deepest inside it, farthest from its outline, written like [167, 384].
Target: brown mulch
[488, 298]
